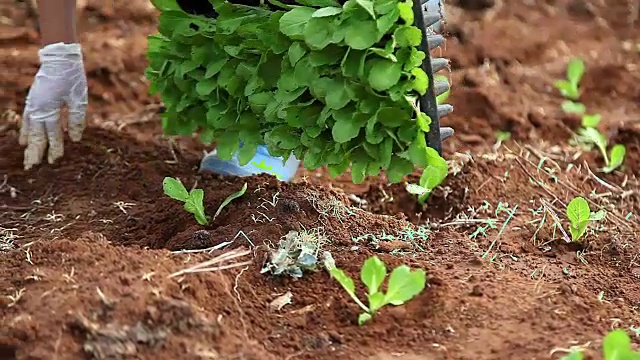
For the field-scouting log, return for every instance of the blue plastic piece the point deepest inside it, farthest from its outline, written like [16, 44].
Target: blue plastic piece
[262, 163]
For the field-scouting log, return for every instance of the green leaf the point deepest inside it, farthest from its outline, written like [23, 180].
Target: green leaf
[327, 11]
[592, 135]
[418, 150]
[618, 152]
[174, 189]
[368, 6]
[436, 170]
[215, 66]
[567, 89]
[346, 128]
[406, 12]
[353, 63]
[195, 205]
[372, 274]
[399, 168]
[360, 34]
[577, 230]
[404, 284]
[578, 210]
[230, 198]
[572, 107]
[166, 5]
[246, 153]
[386, 22]
[376, 301]
[344, 280]
[423, 121]
[206, 86]
[406, 36]
[591, 120]
[383, 74]
[318, 33]
[293, 22]
[420, 82]
[616, 346]
[296, 52]
[392, 116]
[415, 59]
[337, 97]
[575, 70]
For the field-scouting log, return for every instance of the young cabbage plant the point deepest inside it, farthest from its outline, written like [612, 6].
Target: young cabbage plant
[193, 200]
[403, 284]
[569, 87]
[580, 216]
[614, 159]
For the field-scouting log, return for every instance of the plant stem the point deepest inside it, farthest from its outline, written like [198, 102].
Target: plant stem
[362, 305]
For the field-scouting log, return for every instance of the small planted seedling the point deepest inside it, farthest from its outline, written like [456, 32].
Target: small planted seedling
[580, 216]
[193, 200]
[403, 285]
[591, 121]
[614, 159]
[572, 107]
[229, 199]
[615, 346]
[569, 87]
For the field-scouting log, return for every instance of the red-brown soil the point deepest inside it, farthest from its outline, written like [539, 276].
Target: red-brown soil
[87, 246]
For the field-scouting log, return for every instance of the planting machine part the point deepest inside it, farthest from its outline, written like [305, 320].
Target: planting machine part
[429, 17]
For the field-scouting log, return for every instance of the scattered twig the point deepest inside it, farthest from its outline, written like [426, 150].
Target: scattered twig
[208, 265]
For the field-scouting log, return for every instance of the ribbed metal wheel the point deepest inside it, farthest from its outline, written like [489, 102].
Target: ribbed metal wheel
[432, 23]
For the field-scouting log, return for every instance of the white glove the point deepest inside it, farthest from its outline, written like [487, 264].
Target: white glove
[60, 80]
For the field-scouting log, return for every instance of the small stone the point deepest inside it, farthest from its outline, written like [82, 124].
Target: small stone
[476, 291]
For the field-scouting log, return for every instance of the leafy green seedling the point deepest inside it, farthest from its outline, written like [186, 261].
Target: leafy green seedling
[193, 201]
[615, 346]
[403, 285]
[569, 87]
[580, 216]
[572, 107]
[618, 152]
[616, 158]
[230, 198]
[433, 175]
[591, 121]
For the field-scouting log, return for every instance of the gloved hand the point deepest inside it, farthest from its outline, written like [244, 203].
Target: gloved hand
[60, 80]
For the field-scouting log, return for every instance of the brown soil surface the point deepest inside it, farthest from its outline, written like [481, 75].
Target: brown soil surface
[88, 246]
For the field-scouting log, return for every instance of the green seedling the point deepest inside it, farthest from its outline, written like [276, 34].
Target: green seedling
[434, 174]
[580, 216]
[502, 136]
[591, 121]
[230, 198]
[403, 285]
[193, 200]
[569, 87]
[615, 346]
[614, 160]
[572, 107]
